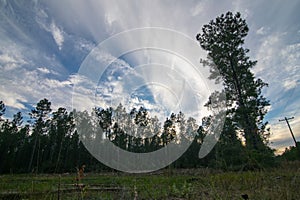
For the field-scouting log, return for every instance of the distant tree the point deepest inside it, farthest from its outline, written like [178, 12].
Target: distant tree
[61, 129]
[23, 148]
[12, 139]
[5, 146]
[190, 131]
[228, 60]
[142, 117]
[291, 153]
[168, 131]
[105, 118]
[229, 151]
[40, 123]
[2, 131]
[2, 109]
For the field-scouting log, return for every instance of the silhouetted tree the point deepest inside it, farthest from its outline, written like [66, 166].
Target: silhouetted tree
[2, 109]
[61, 129]
[228, 60]
[40, 122]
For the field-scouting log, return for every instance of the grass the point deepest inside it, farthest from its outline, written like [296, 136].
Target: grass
[280, 183]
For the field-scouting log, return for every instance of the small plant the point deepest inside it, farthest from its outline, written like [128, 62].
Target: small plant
[81, 187]
[80, 172]
[183, 191]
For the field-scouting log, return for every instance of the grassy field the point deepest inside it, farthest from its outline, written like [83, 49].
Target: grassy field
[280, 183]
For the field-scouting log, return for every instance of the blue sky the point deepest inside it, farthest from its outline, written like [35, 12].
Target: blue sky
[43, 44]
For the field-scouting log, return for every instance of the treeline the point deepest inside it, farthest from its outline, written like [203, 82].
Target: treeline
[50, 143]
[47, 143]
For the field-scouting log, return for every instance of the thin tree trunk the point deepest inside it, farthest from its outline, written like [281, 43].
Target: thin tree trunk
[32, 154]
[38, 156]
[58, 156]
[249, 130]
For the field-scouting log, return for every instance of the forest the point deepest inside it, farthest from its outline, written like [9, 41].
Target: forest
[49, 142]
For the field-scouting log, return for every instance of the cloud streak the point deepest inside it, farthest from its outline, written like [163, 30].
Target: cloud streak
[57, 34]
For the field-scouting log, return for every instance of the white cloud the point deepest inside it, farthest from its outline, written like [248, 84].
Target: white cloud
[262, 31]
[12, 99]
[11, 58]
[22, 83]
[28, 86]
[171, 83]
[278, 65]
[281, 136]
[43, 70]
[83, 45]
[270, 45]
[47, 70]
[57, 34]
[291, 57]
[109, 19]
[280, 71]
[289, 84]
[5, 58]
[199, 8]
[41, 13]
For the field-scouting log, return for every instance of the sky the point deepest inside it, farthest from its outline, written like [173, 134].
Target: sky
[46, 45]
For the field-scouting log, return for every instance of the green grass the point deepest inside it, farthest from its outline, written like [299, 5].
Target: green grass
[281, 183]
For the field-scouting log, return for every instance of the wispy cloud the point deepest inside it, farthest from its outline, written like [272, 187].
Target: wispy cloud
[289, 84]
[281, 136]
[262, 30]
[57, 34]
[199, 8]
[28, 86]
[282, 73]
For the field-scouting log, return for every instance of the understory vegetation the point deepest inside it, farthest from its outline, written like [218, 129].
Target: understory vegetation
[201, 183]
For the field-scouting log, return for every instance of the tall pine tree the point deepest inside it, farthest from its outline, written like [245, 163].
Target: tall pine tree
[223, 39]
